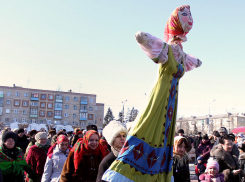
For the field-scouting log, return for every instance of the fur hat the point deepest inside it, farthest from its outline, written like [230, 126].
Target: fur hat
[32, 132]
[223, 130]
[111, 131]
[40, 135]
[91, 127]
[9, 134]
[205, 137]
[21, 130]
[181, 131]
[212, 163]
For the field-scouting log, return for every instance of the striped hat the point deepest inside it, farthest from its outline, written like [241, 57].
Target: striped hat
[212, 163]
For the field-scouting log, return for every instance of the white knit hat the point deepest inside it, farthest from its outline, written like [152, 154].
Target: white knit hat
[111, 131]
[40, 135]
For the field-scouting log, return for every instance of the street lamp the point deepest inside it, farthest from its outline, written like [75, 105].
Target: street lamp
[123, 111]
[209, 122]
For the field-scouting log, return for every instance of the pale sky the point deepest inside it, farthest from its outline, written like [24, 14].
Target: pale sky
[66, 44]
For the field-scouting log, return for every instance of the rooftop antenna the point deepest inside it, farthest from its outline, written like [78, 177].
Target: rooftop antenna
[28, 81]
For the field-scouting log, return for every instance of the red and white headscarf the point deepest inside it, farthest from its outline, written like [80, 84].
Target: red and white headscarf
[61, 138]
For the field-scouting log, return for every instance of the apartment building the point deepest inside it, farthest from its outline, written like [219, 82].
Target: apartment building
[210, 123]
[45, 107]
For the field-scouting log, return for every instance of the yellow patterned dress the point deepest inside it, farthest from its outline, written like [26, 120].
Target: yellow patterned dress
[147, 154]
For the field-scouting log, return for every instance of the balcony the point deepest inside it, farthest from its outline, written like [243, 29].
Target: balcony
[34, 98]
[58, 100]
[57, 117]
[58, 108]
[84, 100]
[33, 115]
[83, 110]
[83, 119]
[1, 95]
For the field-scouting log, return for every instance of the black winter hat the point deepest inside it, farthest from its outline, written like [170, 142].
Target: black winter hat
[21, 130]
[181, 131]
[9, 134]
[91, 127]
[199, 133]
[205, 137]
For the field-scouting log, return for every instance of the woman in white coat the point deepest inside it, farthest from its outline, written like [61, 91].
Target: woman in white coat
[57, 155]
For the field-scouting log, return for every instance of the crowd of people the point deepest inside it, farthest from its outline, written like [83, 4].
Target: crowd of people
[40, 156]
[219, 157]
[85, 155]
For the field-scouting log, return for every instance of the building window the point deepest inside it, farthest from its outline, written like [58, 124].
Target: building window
[8, 93]
[73, 123]
[96, 108]
[49, 122]
[50, 97]
[25, 103]
[50, 105]
[83, 107]
[33, 111]
[34, 103]
[65, 122]
[42, 104]
[91, 100]
[84, 99]
[16, 111]
[57, 113]
[82, 123]
[15, 119]
[17, 94]
[58, 97]
[16, 103]
[66, 114]
[66, 106]
[83, 115]
[42, 113]
[67, 98]
[41, 121]
[75, 99]
[7, 111]
[43, 96]
[24, 111]
[8, 102]
[7, 120]
[95, 122]
[58, 105]
[74, 115]
[74, 107]
[23, 120]
[56, 122]
[91, 108]
[95, 115]
[90, 116]
[49, 113]
[25, 94]
[34, 94]
[33, 121]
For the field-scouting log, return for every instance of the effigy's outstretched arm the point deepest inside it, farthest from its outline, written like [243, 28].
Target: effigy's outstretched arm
[154, 47]
[191, 62]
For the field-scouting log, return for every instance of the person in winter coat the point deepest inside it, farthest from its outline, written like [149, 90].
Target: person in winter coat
[12, 162]
[37, 155]
[115, 134]
[51, 134]
[227, 154]
[181, 160]
[78, 135]
[32, 135]
[188, 147]
[212, 172]
[22, 140]
[197, 141]
[83, 161]
[204, 148]
[216, 137]
[57, 155]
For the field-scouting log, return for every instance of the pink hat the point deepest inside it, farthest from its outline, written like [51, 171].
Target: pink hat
[212, 163]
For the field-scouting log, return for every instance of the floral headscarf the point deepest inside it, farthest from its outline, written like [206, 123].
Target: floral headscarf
[61, 138]
[176, 141]
[81, 148]
[174, 28]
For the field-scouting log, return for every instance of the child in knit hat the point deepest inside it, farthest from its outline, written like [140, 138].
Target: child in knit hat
[200, 168]
[212, 172]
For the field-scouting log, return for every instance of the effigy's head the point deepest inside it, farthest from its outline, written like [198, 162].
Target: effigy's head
[179, 24]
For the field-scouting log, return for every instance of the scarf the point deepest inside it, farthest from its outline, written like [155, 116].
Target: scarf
[176, 157]
[9, 165]
[61, 138]
[44, 147]
[174, 28]
[81, 148]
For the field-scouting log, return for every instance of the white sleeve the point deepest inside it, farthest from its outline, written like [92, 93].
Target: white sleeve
[153, 47]
[191, 62]
[48, 169]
